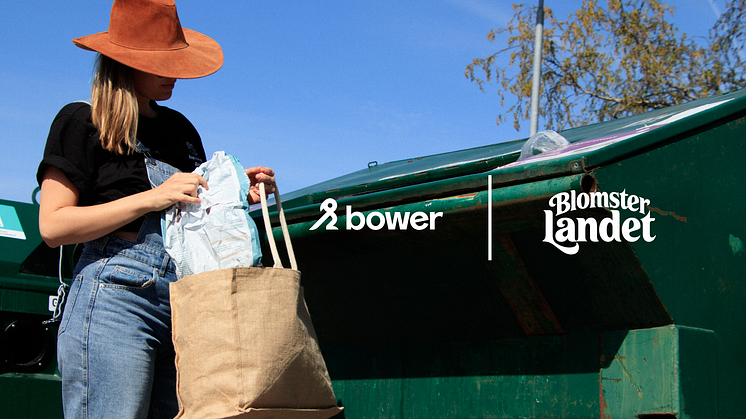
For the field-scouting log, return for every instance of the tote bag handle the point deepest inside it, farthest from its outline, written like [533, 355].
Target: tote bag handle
[283, 224]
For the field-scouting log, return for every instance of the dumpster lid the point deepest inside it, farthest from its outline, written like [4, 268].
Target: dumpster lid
[591, 145]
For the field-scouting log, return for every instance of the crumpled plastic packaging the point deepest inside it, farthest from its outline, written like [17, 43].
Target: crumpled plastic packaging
[542, 142]
[218, 232]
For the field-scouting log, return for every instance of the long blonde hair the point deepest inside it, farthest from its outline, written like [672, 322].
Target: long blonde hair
[114, 109]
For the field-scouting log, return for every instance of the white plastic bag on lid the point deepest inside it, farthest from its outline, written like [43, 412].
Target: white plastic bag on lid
[542, 142]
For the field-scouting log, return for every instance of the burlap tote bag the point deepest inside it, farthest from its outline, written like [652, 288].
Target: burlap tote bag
[245, 345]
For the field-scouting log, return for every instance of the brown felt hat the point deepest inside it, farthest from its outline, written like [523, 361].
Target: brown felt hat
[147, 35]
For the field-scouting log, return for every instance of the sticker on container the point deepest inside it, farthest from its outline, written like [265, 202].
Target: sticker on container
[53, 300]
[10, 225]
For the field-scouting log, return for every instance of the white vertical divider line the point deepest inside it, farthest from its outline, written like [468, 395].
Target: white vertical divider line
[489, 217]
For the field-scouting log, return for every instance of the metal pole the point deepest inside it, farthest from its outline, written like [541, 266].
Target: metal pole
[537, 68]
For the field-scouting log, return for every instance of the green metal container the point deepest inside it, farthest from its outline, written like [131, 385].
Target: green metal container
[29, 271]
[486, 313]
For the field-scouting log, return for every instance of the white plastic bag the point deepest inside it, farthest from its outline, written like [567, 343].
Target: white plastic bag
[542, 142]
[218, 232]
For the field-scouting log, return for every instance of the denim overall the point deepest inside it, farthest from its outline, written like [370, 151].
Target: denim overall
[115, 352]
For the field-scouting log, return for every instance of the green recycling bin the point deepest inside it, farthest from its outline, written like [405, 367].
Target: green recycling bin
[601, 279]
[30, 274]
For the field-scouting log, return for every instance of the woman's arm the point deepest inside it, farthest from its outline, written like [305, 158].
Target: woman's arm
[62, 221]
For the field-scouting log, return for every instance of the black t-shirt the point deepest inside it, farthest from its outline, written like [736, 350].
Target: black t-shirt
[74, 147]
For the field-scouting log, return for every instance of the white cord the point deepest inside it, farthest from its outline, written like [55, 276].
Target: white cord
[61, 294]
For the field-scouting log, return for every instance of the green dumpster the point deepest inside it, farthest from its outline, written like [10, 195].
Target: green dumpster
[29, 272]
[601, 280]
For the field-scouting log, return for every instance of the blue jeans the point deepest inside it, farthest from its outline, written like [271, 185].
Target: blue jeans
[114, 347]
[115, 352]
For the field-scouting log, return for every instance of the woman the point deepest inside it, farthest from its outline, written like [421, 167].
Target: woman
[115, 353]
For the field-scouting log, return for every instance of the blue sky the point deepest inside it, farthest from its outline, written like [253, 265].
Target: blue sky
[313, 89]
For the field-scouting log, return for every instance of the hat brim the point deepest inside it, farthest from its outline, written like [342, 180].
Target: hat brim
[203, 55]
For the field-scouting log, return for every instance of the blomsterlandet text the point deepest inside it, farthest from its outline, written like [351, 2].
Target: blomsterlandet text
[567, 233]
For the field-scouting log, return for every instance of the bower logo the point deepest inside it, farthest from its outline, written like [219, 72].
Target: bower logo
[356, 220]
[566, 233]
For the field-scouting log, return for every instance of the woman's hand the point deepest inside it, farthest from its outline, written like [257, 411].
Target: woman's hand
[180, 187]
[258, 175]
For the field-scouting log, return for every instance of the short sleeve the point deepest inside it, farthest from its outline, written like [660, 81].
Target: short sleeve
[70, 146]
